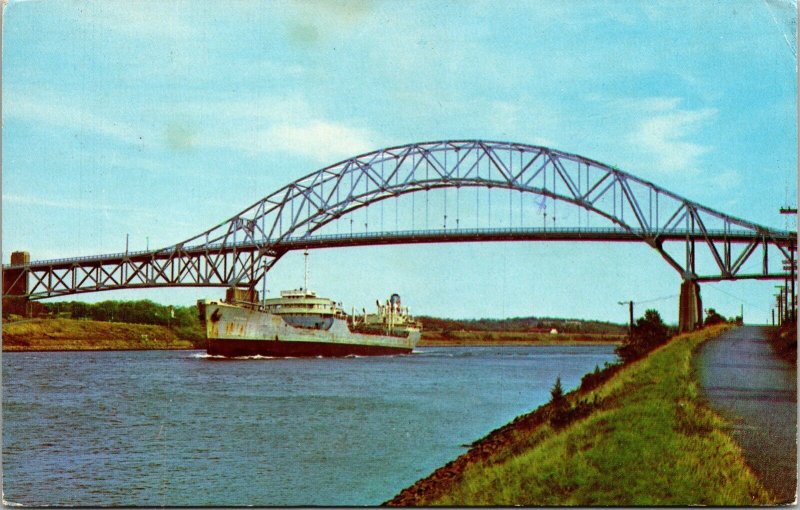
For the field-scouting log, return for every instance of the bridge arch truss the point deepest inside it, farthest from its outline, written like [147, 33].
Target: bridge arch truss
[242, 249]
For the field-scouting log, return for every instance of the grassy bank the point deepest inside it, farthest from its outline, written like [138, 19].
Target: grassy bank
[72, 335]
[643, 437]
[462, 338]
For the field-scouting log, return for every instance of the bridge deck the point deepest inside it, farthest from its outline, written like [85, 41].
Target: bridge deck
[416, 237]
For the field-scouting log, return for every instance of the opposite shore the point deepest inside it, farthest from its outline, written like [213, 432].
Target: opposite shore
[61, 334]
[89, 335]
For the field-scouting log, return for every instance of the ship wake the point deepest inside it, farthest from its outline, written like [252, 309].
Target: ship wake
[203, 355]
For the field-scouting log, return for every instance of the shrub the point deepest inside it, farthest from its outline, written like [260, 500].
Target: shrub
[594, 379]
[712, 317]
[648, 333]
[557, 393]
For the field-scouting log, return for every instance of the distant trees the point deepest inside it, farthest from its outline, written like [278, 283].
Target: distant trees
[521, 324]
[648, 333]
[136, 312]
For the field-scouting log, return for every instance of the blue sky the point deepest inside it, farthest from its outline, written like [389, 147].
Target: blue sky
[161, 119]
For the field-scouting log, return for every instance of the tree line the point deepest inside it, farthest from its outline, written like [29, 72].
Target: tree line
[136, 312]
[521, 324]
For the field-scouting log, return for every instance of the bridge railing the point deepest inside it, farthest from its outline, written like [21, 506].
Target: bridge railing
[87, 258]
[321, 239]
[513, 230]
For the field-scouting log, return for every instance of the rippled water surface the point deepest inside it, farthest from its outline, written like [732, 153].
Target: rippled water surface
[177, 428]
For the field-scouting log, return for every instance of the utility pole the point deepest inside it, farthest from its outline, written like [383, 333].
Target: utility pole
[630, 313]
[786, 309]
[630, 319]
[791, 313]
[793, 277]
[126, 243]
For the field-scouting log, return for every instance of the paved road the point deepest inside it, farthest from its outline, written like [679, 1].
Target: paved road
[745, 381]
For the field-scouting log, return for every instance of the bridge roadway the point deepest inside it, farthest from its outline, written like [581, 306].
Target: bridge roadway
[747, 382]
[411, 237]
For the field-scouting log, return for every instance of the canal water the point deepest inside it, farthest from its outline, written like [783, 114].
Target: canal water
[177, 428]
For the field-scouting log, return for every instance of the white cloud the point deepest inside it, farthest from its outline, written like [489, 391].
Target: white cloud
[138, 19]
[665, 137]
[321, 140]
[661, 130]
[324, 141]
[258, 109]
[63, 204]
[288, 124]
[633, 105]
[119, 160]
[722, 181]
[54, 111]
[252, 125]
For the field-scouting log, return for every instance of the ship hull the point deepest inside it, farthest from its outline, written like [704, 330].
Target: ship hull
[290, 349]
[235, 331]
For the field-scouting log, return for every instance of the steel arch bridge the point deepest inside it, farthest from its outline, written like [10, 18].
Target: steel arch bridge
[241, 250]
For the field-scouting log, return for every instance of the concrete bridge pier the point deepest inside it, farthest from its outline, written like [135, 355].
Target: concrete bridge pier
[690, 307]
[15, 286]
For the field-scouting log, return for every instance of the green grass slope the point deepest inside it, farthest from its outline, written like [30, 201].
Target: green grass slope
[648, 440]
[70, 335]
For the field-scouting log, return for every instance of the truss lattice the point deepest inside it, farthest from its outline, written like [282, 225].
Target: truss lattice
[241, 250]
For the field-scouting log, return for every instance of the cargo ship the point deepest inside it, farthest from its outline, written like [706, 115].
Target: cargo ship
[301, 324]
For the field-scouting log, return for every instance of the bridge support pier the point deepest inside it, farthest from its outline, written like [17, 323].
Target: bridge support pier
[690, 307]
[15, 286]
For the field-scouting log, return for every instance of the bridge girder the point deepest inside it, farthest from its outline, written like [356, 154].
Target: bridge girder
[241, 250]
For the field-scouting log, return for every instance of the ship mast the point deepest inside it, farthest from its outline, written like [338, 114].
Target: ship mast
[305, 277]
[264, 287]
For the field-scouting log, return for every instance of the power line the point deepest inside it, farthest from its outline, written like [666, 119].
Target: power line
[656, 299]
[760, 307]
